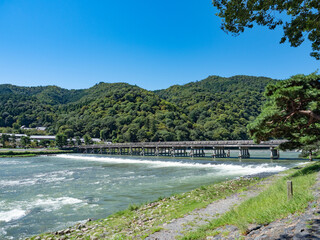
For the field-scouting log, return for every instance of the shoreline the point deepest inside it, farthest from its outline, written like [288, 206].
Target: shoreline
[147, 219]
[30, 153]
[139, 215]
[166, 202]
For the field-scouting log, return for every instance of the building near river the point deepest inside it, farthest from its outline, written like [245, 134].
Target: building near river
[42, 137]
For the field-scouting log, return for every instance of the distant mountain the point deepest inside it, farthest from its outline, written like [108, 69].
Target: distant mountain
[214, 108]
[51, 95]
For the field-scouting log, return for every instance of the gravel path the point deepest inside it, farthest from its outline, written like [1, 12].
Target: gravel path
[201, 216]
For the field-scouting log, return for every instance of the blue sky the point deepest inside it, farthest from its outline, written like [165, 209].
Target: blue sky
[153, 44]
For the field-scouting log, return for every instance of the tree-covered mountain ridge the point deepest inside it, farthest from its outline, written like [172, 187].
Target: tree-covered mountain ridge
[210, 109]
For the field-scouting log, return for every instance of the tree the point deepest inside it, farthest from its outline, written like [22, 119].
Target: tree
[34, 143]
[87, 139]
[4, 139]
[78, 140]
[309, 149]
[13, 140]
[104, 134]
[61, 140]
[69, 133]
[44, 143]
[292, 112]
[16, 126]
[299, 18]
[25, 141]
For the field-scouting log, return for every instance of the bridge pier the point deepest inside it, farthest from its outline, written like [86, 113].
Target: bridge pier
[228, 153]
[191, 153]
[243, 153]
[119, 151]
[156, 152]
[219, 152]
[181, 152]
[172, 152]
[274, 153]
[142, 151]
[130, 151]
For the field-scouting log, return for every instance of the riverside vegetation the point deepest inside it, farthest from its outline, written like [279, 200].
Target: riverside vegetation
[270, 205]
[141, 221]
[31, 153]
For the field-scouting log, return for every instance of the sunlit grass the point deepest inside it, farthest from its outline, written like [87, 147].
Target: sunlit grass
[268, 206]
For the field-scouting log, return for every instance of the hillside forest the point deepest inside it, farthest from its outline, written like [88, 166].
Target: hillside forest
[215, 108]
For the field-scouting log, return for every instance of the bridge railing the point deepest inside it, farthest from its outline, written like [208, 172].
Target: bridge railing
[187, 143]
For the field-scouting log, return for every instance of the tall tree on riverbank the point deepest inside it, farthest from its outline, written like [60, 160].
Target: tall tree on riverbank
[4, 139]
[303, 20]
[25, 141]
[61, 140]
[292, 112]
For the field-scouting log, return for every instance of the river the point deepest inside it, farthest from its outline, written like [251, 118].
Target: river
[47, 193]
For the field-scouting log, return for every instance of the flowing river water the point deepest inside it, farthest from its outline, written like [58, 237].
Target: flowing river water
[48, 193]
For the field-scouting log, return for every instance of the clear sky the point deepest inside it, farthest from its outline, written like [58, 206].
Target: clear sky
[153, 44]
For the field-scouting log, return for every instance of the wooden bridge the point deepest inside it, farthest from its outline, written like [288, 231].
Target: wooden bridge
[215, 149]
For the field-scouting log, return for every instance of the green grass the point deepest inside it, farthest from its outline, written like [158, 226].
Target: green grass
[270, 205]
[137, 222]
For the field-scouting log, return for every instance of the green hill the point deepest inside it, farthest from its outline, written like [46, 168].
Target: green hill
[219, 107]
[214, 108]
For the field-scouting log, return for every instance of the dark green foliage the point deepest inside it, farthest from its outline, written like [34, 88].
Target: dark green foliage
[299, 18]
[4, 139]
[78, 140]
[292, 112]
[219, 108]
[25, 141]
[61, 140]
[214, 108]
[87, 139]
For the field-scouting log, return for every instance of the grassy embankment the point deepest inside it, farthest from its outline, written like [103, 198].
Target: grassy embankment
[270, 205]
[7, 154]
[141, 221]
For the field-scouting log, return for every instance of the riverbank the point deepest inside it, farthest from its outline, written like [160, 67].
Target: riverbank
[271, 215]
[143, 221]
[30, 152]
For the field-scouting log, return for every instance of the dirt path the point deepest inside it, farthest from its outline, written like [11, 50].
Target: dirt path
[200, 217]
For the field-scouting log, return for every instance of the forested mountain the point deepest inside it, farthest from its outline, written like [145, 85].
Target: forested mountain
[32, 106]
[122, 112]
[220, 108]
[214, 108]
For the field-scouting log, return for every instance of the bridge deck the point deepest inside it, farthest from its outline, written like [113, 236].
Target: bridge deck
[190, 144]
[183, 149]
